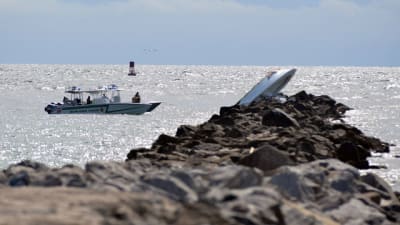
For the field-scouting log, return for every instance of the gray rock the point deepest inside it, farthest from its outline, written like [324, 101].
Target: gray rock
[33, 165]
[298, 215]
[171, 186]
[378, 183]
[3, 179]
[255, 205]
[355, 212]
[72, 176]
[235, 177]
[343, 182]
[290, 183]
[309, 182]
[109, 175]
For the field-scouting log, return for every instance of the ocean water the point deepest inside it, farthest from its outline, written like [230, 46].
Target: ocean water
[189, 95]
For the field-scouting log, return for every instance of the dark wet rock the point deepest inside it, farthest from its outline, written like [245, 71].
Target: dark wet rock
[185, 130]
[353, 154]
[166, 139]
[19, 179]
[266, 158]
[134, 154]
[277, 117]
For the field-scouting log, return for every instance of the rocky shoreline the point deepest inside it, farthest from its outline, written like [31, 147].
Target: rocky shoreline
[273, 162]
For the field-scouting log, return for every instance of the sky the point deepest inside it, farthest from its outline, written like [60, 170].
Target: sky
[201, 32]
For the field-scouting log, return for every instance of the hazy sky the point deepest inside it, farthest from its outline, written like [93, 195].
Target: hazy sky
[201, 32]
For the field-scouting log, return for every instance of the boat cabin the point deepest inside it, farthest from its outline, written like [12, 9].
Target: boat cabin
[101, 95]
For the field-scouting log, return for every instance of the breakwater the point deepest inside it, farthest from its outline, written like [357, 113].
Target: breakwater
[292, 162]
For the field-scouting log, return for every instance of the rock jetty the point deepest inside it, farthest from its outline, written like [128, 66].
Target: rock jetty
[273, 162]
[267, 135]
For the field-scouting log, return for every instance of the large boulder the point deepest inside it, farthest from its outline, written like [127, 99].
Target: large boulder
[277, 117]
[266, 158]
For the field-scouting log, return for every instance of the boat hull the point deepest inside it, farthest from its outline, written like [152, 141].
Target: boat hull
[268, 86]
[112, 108]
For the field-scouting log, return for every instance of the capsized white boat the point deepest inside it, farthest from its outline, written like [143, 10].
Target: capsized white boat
[103, 100]
[269, 86]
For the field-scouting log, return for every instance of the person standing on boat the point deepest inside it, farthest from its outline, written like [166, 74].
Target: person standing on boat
[136, 98]
[105, 99]
[88, 101]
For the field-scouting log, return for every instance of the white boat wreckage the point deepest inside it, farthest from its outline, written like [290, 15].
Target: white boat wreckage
[269, 87]
[103, 100]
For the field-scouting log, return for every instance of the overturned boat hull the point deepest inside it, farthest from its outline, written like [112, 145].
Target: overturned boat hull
[269, 86]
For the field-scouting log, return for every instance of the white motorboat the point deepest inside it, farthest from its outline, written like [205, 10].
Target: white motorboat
[269, 86]
[103, 100]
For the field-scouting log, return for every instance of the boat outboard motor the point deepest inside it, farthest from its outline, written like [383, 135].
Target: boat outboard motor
[49, 108]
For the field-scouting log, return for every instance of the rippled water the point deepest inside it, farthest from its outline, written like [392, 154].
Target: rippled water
[190, 95]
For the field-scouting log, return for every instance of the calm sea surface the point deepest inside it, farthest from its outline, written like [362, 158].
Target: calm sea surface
[189, 95]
